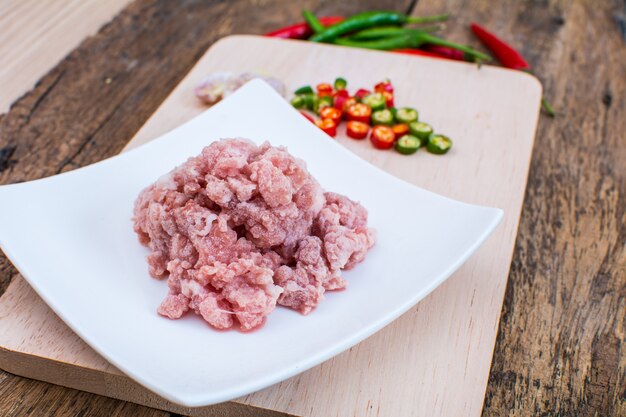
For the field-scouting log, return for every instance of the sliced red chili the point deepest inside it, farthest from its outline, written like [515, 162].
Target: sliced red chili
[339, 98]
[359, 112]
[328, 126]
[361, 92]
[400, 129]
[357, 130]
[339, 102]
[331, 113]
[382, 137]
[388, 98]
[383, 86]
[350, 101]
[324, 89]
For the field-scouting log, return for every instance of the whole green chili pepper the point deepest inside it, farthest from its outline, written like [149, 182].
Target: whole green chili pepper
[313, 21]
[370, 19]
[387, 31]
[411, 40]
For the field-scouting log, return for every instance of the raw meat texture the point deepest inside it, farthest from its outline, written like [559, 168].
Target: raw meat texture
[241, 228]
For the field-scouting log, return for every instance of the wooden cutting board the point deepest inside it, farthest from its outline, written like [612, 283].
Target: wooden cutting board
[435, 359]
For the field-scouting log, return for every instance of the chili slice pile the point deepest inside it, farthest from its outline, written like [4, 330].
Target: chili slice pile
[368, 112]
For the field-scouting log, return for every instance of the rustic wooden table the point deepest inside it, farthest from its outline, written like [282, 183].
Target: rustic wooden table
[561, 347]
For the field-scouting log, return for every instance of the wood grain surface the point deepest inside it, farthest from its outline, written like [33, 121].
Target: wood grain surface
[560, 349]
[36, 34]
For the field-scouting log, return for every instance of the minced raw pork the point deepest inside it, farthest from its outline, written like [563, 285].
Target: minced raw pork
[241, 228]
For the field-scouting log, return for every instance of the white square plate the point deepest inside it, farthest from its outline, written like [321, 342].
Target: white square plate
[71, 237]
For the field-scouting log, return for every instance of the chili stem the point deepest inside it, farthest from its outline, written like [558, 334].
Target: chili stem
[428, 19]
[434, 40]
[547, 107]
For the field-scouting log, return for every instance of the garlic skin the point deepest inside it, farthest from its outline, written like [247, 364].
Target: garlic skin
[221, 84]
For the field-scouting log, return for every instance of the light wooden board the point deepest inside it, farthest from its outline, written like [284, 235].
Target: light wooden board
[435, 359]
[36, 34]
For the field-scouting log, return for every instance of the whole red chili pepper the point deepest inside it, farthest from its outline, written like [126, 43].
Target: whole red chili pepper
[445, 52]
[361, 92]
[302, 30]
[508, 57]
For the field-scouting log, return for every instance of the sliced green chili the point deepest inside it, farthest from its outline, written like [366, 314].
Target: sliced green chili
[382, 117]
[438, 144]
[375, 100]
[340, 83]
[324, 101]
[406, 115]
[310, 101]
[408, 144]
[421, 130]
[298, 102]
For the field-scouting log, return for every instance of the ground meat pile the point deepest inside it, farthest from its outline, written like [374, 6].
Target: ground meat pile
[241, 228]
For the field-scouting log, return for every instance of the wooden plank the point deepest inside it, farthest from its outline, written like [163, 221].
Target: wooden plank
[40, 399]
[561, 349]
[406, 367]
[35, 37]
